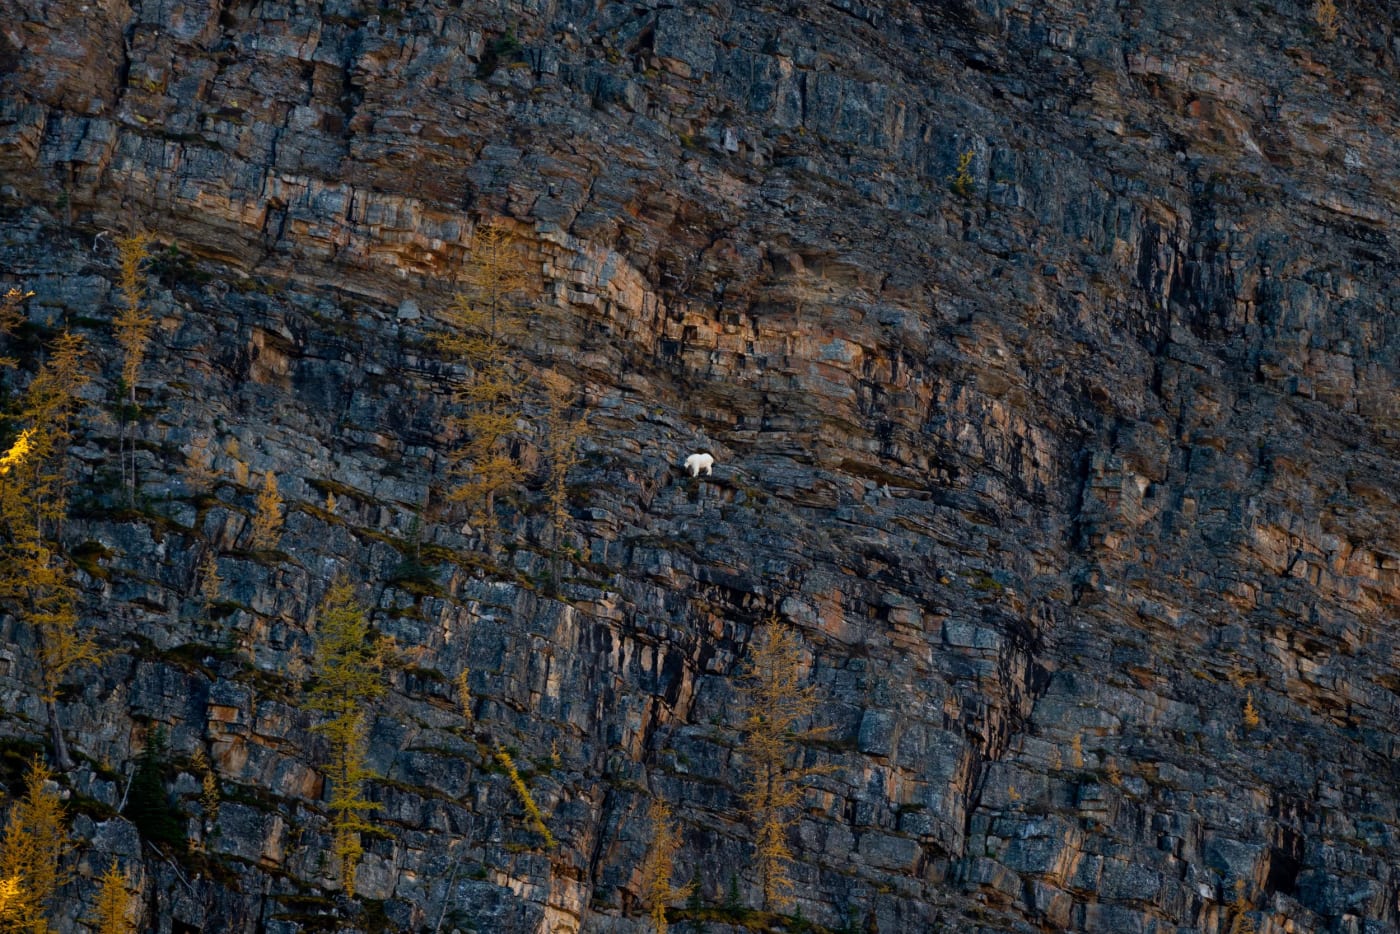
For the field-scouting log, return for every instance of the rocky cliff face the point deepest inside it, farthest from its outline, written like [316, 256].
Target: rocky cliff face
[1056, 463]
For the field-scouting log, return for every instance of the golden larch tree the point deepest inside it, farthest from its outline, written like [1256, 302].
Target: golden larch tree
[11, 317]
[1250, 714]
[660, 863]
[18, 452]
[267, 521]
[564, 429]
[349, 677]
[9, 894]
[464, 695]
[133, 325]
[46, 412]
[33, 845]
[775, 702]
[1328, 19]
[210, 584]
[1238, 913]
[522, 791]
[199, 472]
[112, 913]
[36, 579]
[482, 327]
[209, 796]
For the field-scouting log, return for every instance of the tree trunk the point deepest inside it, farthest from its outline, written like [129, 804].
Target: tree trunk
[62, 760]
[452, 879]
[488, 526]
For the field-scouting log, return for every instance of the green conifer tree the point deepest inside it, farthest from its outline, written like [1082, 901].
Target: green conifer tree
[148, 804]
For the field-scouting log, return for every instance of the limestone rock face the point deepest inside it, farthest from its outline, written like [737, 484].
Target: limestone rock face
[1048, 352]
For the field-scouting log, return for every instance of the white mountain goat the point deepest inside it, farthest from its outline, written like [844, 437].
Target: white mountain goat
[700, 461]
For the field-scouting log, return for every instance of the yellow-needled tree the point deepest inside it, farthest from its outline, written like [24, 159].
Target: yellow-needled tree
[522, 791]
[132, 325]
[36, 581]
[33, 845]
[11, 317]
[565, 426]
[660, 863]
[210, 584]
[1327, 18]
[349, 677]
[199, 472]
[10, 893]
[267, 521]
[112, 913]
[482, 327]
[775, 704]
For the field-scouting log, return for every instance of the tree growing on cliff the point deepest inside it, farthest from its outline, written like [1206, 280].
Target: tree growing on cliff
[11, 317]
[36, 581]
[267, 520]
[775, 703]
[199, 472]
[21, 449]
[112, 913]
[961, 182]
[209, 796]
[522, 791]
[348, 677]
[464, 695]
[132, 325]
[1250, 714]
[31, 850]
[148, 804]
[1328, 19]
[660, 863]
[210, 584]
[564, 429]
[482, 325]
[1240, 921]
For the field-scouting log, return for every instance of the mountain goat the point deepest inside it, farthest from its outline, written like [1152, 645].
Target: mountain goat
[700, 461]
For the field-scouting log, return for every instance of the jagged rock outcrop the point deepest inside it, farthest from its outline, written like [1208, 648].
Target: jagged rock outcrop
[1054, 466]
